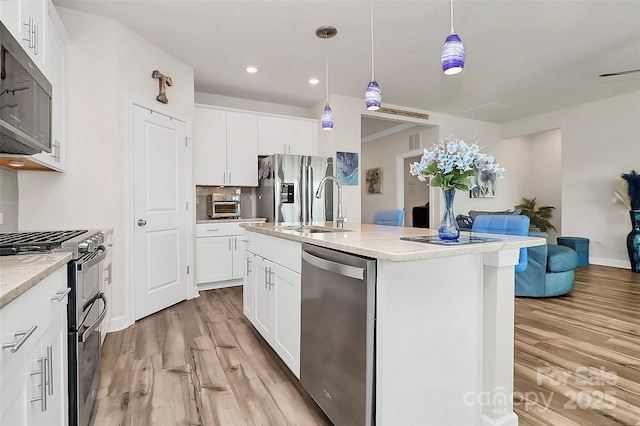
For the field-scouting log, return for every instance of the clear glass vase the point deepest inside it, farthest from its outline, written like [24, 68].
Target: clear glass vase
[448, 229]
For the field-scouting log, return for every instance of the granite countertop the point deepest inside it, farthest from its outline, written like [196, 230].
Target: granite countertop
[383, 242]
[19, 273]
[239, 220]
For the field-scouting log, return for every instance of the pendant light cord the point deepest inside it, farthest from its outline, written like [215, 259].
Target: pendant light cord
[452, 30]
[373, 78]
[326, 73]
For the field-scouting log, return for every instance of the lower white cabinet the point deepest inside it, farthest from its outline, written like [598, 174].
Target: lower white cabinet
[33, 366]
[272, 296]
[219, 254]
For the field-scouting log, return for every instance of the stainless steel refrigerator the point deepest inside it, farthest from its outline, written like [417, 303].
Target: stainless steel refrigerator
[287, 185]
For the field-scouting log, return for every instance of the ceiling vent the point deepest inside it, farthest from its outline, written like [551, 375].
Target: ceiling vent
[403, 113]
[415, 141]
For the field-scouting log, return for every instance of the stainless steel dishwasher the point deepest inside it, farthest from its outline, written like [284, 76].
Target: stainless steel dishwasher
[337, 343]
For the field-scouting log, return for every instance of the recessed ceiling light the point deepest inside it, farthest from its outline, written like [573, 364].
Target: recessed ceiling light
[252, 69]
[314, 81]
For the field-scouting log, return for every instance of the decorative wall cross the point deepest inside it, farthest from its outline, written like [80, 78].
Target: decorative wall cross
[163, 81]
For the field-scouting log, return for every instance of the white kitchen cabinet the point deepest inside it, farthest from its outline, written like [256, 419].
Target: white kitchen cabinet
[242, 149]
[225, 147]
[302, 136]
[55, 71]
[209, 146]
[34, 387]
[214, 259]
[273, 295]
[26, 21]
[282, 135]
[249, 285]
[220, 254]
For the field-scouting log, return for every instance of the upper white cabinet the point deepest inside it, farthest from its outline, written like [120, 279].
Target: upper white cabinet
[36, 23]
[26, 20]
[55, 71]
[225, 147]
[284, 135]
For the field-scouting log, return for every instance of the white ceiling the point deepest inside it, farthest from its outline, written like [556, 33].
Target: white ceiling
[522, 57]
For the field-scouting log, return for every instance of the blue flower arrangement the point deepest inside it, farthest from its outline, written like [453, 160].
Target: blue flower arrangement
[633, 189]
[453, 163]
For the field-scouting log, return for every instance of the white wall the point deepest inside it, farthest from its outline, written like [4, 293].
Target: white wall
[251, 105]
[600, 140]
[382, 153]
[105, 63]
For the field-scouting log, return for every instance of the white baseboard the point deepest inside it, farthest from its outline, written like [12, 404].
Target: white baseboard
[219, 284]
[117, 323]
[510, 419]
[614, 263]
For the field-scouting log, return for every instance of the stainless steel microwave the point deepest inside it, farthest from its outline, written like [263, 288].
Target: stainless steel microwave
[25, 100]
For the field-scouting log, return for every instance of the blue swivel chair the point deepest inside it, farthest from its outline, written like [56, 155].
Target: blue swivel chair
[550, 271]
[505, 225]
[389, 217]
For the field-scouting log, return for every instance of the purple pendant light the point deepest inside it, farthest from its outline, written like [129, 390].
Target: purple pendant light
[373, 95]
[452, 57]
[326, 119]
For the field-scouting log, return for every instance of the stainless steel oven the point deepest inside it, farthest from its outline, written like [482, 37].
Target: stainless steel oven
[87, 309]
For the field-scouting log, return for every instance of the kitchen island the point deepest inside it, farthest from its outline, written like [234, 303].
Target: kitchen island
[444, 319]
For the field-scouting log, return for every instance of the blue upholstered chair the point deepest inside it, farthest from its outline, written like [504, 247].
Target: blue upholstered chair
[550, 271]
[389, 217]
[505, 225]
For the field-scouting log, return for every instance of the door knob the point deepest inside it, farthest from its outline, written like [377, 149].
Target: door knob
[142, 222]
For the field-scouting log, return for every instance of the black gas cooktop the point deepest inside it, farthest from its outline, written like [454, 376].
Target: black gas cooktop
[28, 242]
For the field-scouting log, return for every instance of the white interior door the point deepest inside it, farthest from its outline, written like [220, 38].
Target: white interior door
[159, 180]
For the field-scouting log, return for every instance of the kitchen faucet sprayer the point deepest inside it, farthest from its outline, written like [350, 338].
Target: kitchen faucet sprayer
[340, 220]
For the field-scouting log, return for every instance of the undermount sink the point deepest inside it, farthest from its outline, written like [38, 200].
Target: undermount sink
[310, 229]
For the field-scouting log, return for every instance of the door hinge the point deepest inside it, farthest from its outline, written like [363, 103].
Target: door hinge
[186, 140]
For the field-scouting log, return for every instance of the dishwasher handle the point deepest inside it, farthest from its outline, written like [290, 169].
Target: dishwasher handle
[337, 268]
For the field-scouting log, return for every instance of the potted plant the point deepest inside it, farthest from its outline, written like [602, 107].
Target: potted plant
[539, 217]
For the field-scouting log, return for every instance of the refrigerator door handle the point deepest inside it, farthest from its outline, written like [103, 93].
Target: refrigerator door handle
[304, 192]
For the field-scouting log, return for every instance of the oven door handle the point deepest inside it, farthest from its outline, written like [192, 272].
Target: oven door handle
[95, 260]
[85, 334]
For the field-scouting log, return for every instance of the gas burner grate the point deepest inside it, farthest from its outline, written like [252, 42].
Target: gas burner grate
[45, 239]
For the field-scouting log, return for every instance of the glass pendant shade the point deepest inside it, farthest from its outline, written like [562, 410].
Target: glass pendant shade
[327, 118]
[373, 96]
[452, 55]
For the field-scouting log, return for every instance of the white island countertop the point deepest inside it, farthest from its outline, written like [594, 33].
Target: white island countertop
[383, 242]
[21, 272]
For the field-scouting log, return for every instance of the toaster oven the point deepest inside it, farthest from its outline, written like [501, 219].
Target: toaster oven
[223, 206]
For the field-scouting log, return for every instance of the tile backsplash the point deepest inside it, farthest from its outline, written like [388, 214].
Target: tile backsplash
[8, 200]
[247, 200]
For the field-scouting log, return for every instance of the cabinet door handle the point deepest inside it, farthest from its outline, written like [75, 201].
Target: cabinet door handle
[35, 40]
[229, 177]
[60, 295]
[229, 244]
[266, 277]
[50, 370]
[224, 177]
[235, 244]
[25, 336]
[109, 278]
[271, 283]
[248, 266]
[43, 394]
[213, 230]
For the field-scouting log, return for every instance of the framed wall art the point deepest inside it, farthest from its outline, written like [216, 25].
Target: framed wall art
[347, 167]
[373, 179]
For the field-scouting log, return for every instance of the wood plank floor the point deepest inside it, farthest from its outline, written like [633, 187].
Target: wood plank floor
[577, 357]
[200, 362]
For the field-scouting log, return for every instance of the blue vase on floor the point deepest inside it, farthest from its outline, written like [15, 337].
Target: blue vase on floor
[448, 229]
[633, 241]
